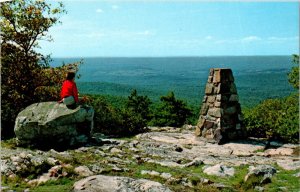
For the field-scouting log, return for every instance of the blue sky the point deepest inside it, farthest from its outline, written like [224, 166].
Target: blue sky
[174, 28]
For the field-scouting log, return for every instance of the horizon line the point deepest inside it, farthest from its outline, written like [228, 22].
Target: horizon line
[171, 56]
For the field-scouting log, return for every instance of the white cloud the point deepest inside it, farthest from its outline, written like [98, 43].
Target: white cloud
[99, 11]
[251, 39]
[115, 7]
[208, 37]
[145, 33]
[283, 38]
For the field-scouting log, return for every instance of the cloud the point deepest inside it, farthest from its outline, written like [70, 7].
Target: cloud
[208, 37]
[250, 39]
[276, 39]
[115, 7]
[145, 33]
[99, 11]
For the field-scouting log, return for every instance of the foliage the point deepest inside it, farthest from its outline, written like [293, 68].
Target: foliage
[293, 75]
[123, 120]
[26, 77]
[137, 112]
[171, 112]
[275, 118]
[107, 119]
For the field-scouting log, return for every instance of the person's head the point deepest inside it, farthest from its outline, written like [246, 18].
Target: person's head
[70, 76]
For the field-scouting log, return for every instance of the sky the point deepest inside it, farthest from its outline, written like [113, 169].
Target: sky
[99, 28]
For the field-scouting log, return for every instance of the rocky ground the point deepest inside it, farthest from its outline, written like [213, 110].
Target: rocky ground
[164, 159]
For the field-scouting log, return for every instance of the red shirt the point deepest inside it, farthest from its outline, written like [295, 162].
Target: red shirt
[69, 88]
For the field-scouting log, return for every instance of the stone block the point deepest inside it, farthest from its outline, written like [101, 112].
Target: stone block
[198, 131]
[234, 97]
[218, 89]
[208, 124]
[226, 75]
[210, 118]
[218, 135]
[204, 109]
[210, 79]
[209, 89]
[200, 122]
[211, 99]
[233, 88]
[225, 98]
[211, 72]
[218, 104]
[209, 134]
[215, 112]
[217, 76]
[231, 134]
[204, 99]
[203, 132]
[224, 89]
[230, 110]
[218, 98]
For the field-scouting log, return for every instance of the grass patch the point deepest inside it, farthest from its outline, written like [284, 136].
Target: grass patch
[9, 143]
[234, 181]
[284, 179]
[63, 184]
[259, 151]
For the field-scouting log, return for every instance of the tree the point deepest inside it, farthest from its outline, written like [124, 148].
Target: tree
[23, 70]
[293, 75]
[277, 118]
[171, 111]
[137, 113]
[139, 105]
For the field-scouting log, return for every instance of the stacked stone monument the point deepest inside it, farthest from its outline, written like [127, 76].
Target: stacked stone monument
[220, 115]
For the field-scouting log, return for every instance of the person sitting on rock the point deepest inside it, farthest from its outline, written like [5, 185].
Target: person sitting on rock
[69, 96]
[69, 91]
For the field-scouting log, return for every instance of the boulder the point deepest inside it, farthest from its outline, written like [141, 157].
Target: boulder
[83, 171]
[113, 183]
[261, 174]
[219, 170]
[53, 124]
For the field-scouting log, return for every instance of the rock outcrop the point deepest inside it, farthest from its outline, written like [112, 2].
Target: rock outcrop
[219, 170]
[113, 183]
[261, 174]
[146, 153]
[220, 115]
[53, 124]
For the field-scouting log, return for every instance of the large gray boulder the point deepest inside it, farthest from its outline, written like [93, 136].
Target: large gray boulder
[53, 124]
[261, 174]
[113, 184]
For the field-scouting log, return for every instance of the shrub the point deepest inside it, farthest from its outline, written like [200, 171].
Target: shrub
[107, 119]
[137, 113]
[171, 112]
[275, 118]
[123, 120]
[293, 75]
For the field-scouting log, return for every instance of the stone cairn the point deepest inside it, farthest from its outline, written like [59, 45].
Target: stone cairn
[220, 115]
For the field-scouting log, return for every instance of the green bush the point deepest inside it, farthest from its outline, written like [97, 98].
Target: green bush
[275, 119]
[293, 75]
[171, 112]
[123, 120]
[137, 112]
[107, 119]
